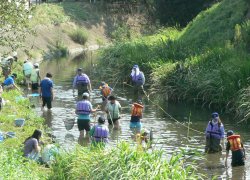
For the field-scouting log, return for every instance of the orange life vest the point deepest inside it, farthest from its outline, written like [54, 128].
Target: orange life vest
[106, 91]
[137, 110]
[235, 143]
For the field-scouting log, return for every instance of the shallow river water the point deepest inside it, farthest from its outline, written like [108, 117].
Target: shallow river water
[168, 134]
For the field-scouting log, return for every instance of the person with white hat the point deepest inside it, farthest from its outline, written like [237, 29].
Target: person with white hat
[138, 80]
[83, 110]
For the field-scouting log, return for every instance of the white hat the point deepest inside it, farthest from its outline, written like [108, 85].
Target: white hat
[36, 64]
[85, 94]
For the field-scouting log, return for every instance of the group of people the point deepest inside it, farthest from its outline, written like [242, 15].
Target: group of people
[215, 135]
[31, 74]
[99, 132]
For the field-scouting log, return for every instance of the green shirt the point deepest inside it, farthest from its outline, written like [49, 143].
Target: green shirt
[113, 110]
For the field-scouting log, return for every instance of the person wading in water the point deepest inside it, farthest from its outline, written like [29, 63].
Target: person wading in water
[81, 82]
[83, 110]
[214, 135]
[113, 109]
[238, 151]
[99, 133]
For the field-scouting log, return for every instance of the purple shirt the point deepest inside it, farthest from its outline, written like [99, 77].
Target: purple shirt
[29, 146]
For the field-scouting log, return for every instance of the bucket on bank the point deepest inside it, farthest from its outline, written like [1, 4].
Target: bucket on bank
[1, 137]
[19, 122]
[69, 124]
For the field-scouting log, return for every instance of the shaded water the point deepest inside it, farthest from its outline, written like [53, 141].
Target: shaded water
[168, 135]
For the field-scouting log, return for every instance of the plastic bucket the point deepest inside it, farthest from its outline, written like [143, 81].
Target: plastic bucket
[19, 122]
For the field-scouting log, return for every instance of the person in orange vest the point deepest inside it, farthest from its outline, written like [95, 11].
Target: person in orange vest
[238, 151]
[105, 91]
[136, 116]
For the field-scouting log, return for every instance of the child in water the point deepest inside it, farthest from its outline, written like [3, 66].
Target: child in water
[238, 151]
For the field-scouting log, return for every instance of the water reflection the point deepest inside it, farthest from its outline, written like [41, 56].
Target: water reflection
[168, 135]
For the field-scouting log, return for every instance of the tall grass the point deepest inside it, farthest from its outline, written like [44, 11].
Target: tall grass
[79, 35]
[122, 162]
[207, 62]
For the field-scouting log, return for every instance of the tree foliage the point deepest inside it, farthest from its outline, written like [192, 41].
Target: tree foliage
[14, 16]
[179, 11]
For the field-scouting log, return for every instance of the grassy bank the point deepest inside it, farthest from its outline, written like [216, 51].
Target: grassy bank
[207, 62]
[12, 164]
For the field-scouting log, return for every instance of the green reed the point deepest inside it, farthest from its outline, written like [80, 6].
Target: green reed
[121, 162]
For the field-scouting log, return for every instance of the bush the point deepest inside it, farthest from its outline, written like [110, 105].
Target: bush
[79, 35]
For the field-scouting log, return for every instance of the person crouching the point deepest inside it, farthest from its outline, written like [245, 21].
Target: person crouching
[99, 133]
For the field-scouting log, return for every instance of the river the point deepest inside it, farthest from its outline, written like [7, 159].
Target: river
[169, 135]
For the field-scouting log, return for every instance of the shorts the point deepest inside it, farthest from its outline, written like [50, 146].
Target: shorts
[27, 78]
[136, 125]
[83, 124]
[114, 120]
[34, 86]
[47, 101]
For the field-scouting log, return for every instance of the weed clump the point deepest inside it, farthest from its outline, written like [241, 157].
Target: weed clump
[79, 35]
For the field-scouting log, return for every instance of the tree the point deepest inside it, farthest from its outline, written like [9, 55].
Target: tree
[14, 18]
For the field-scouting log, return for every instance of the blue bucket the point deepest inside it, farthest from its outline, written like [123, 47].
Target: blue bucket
[19, 122]
[1, 136]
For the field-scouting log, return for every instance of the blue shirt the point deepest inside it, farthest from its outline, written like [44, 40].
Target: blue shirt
[46, 87]
[8, 81]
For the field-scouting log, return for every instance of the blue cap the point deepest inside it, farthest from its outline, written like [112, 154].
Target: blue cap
[215, 114]
[135, 66]
[230, 133]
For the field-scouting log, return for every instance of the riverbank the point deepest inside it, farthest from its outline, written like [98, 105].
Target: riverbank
[206, 63]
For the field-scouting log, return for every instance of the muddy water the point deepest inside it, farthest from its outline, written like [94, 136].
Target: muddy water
[168, 134]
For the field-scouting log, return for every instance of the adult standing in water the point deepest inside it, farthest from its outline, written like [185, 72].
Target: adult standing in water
[27, 69]
[81, 82]
[113, 109]
[214, 134]
[46, 91]
[238, 151]
[83, 110]
[138, 80]
[35, 77]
